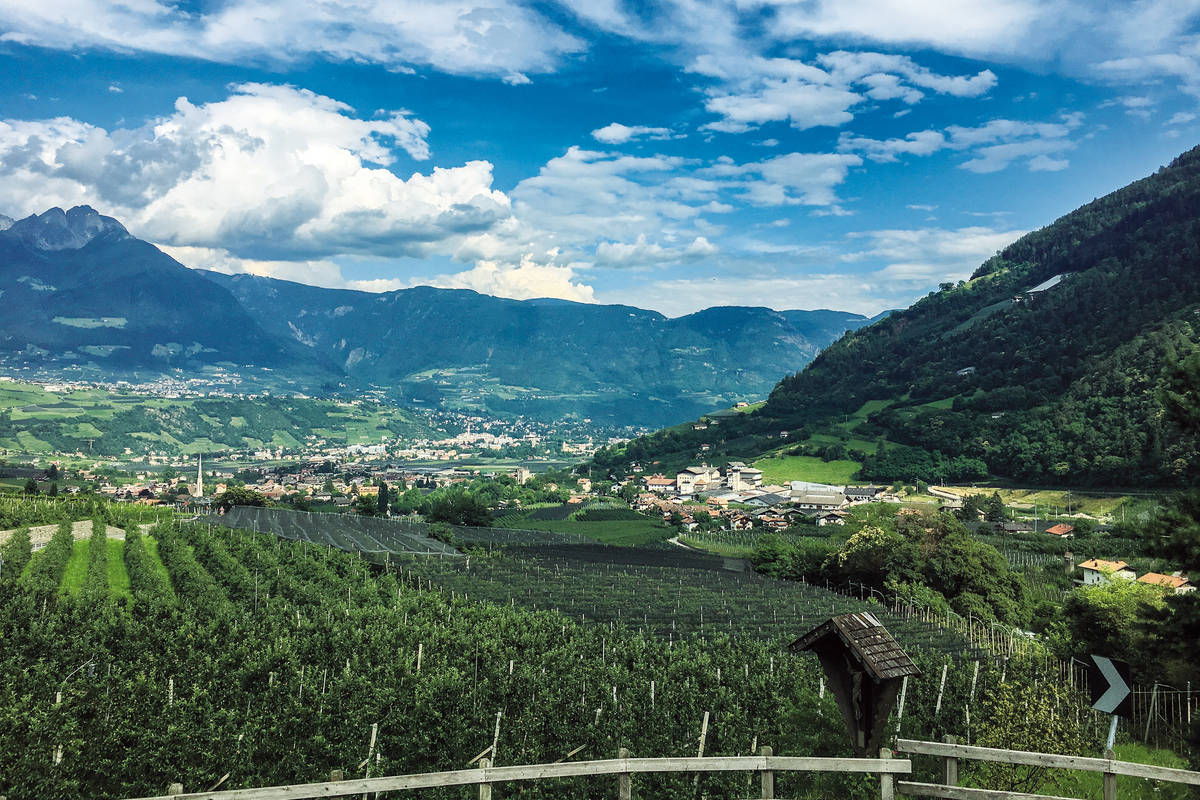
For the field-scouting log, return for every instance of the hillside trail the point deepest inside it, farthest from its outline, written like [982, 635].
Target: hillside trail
[40, 535]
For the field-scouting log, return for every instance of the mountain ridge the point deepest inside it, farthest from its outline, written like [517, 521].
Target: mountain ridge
[1000, 376]
[98, 302]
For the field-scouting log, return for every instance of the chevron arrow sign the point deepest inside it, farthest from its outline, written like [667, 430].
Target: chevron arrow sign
[1108, 682]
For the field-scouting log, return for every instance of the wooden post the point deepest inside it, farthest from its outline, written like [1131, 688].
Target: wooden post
[887, 782]
[337, 775]
[175, 789]
[485, 789]
[951, 763]
[624, 783]
[1110, 779]
[768, 776]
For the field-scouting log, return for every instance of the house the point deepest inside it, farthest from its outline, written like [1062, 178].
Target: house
[1176, 583]
[585, 485]
[862, 494]
[965, 371]
[768, 500]
[696, 479]
[816, 497]
[739, 477]
[831, 518]
[1096, 570]
[660, 483]
[1062, 531]
[740, 522]
[1017, 526]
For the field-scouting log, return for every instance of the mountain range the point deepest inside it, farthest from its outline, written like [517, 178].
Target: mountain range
[1046, 366]
[95, 301]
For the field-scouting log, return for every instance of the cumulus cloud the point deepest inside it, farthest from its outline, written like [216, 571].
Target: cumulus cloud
[992, 146]
[525, 280]
[616, 133]
[272, 172]
[752, 90]
[497, 38]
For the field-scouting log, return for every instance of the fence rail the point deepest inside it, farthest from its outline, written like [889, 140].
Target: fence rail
[950, 751]
[623, 767]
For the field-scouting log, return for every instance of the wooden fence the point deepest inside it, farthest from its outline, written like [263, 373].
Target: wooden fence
[623, 768]
[951, 753]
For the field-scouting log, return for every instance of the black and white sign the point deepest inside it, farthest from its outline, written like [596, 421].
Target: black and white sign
[1108, 683]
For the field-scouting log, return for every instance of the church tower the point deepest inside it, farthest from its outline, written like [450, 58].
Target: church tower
[199, 476]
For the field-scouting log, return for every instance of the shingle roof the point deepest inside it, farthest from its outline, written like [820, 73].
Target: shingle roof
[868, 640]
[1061, 529]
[1100, 565]
[1167, 581]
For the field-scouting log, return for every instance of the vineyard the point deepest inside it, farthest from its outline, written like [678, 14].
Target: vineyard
[234, 658]
[265, 661]
[375, 538]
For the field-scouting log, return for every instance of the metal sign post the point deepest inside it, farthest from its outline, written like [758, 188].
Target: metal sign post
[1108, 684]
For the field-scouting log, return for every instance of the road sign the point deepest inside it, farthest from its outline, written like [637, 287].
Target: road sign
[1108, 683]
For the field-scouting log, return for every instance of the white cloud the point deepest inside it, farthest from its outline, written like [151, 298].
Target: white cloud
[272, 172]
[525, 280]
[1181, 118]
[752, 90]
[499, 38]
[616, 133]
[992, 146]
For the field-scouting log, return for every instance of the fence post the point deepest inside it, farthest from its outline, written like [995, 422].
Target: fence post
[1110, 779]
[624, 784]
[485, 789]
[336, 775]
[175, 789]
[768, 776]
[951, 762]
[887, 782]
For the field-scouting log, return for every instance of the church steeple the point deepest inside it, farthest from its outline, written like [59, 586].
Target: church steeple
[199, 476]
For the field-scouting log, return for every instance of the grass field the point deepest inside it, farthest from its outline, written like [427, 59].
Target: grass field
[152, 549]
[75, 574]
[1092, 505]
[118, 577]
[781, 470]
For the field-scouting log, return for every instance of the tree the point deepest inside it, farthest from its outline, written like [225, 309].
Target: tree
[366, 505]
[168, 474]
[239, 496]
[52, 473]
[457, 507]
[1022, 717]
[994, 508]
[383, 499]
[53, 491]
[31, 486]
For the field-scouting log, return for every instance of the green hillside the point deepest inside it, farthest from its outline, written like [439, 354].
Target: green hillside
[99, 422]
[1044, 367]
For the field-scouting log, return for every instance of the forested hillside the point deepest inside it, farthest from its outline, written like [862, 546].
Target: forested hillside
[1045, 366]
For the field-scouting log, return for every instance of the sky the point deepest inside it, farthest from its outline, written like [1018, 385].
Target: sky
[677, 155]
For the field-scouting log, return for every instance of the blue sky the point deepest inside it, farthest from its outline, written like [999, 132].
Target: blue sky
[847, 154]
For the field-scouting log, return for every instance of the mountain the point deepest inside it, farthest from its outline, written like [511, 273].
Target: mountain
[80, 291]
[1045, 367]
[99, 303]
[546, 358]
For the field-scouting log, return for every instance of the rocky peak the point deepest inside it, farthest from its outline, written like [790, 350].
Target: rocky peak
[64, 230]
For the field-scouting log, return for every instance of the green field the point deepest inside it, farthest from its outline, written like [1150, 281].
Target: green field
[35, 421]
[75, 575]
[782, 469]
